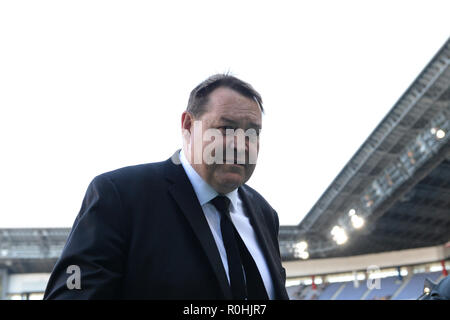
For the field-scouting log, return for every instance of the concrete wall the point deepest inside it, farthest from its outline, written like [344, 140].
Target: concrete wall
[27, 282]
[363, 262]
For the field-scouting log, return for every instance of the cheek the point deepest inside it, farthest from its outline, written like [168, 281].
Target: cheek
[249, 170]
[253, 151]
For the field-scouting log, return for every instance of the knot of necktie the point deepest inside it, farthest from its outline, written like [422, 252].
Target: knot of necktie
[222, 204]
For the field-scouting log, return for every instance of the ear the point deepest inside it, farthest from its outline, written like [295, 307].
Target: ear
[187, 125]
[187, 120]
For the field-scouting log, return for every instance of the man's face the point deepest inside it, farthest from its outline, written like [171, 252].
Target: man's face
[226, 111]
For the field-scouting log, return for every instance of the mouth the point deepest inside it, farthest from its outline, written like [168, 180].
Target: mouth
[234, 161]
[234, 164]
[233, 167]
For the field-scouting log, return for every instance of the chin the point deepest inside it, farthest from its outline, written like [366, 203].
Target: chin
[228, 185]
[228, 178]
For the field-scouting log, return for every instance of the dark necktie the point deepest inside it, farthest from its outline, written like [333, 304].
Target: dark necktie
[252, 286]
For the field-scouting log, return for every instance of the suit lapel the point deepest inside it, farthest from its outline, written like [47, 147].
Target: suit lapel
[184, 194]
[270, 252]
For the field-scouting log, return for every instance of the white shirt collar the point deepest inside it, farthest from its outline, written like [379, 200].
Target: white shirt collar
[203, 190]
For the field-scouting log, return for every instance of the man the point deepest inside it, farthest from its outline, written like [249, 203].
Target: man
[185, 228]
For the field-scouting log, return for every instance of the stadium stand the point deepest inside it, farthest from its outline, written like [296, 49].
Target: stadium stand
[414, 287]
[388, 287]
[329, 291]
[350, 292]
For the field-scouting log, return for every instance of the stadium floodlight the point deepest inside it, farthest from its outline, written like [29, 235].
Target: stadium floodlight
[302, 245]
[339, 235]
[357, 221]
[300, 250]
[351, 212]
[304, 255]
[440, 134]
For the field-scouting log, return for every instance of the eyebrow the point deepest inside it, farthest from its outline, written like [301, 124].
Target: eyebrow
[224, 119]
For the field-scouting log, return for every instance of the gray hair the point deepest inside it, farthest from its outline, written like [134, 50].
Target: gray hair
[199, 95]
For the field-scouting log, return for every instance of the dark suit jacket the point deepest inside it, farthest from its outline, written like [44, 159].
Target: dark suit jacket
[141, 234]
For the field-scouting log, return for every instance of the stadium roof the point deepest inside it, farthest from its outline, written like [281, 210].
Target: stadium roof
[398, 181]
[31, 250]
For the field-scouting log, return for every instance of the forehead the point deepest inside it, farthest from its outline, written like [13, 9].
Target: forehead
[227, 103]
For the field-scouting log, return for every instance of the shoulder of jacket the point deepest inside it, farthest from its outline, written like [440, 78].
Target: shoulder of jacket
[133, 174]
[259, 200]
[257, 197]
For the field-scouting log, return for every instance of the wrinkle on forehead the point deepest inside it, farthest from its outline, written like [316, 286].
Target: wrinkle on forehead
[225, 102]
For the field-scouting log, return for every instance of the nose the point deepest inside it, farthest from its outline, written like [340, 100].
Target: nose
[240, 142]
[243, 147]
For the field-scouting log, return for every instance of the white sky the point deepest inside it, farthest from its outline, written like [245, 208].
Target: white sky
[90, 86]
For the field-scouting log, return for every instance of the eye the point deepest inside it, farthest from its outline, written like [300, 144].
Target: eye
[224, 129]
